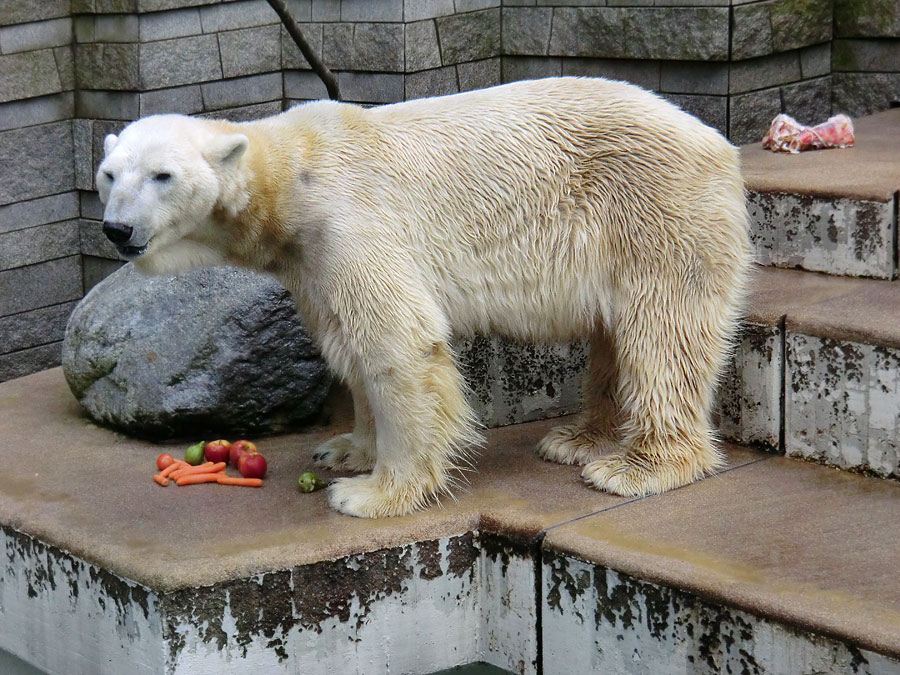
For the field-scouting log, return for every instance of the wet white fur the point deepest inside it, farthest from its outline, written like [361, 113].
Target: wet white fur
[541, 210]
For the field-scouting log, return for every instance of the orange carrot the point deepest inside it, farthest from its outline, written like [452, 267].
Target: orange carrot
[209, 467]
[162, 480]
[246, 482]
[196, 478]
[173, 467]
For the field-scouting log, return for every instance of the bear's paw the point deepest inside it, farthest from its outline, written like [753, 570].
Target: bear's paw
[575, 444]
[345, 453]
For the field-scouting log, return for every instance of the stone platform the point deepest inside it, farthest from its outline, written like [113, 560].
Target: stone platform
[772, 562]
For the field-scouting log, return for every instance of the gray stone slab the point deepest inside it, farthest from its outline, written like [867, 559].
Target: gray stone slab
[304, 85]
[587, 31]
[645, 74]
[290, 53]
[326, 10]
[711, 110]
[117, 28]
[34, 328]
[28, 361]
[23, 214]
[530, 67]
[751, 31]
[93, 242]
[751, 114]
[866, 55]
[815, 61]
[748, 402]
[764, 72]
[37, 244]
[526, 30]
[469, 37]
[366, 10]
[242, 91]
[416, 10]
[109, 66]
[838, 236]
[376, 47]
[169, 63]
[90, 204]
[841, 404]
[168, 25]
[598, 620]
[867, 18]
[693, 77]
[96, 269]
[38, 35]
[479, 74]
[28, 74]
[809, 101]
[421, 44]
[43, 161]
[300, 10]
[437, 82]
[65, 66]
[475, 5]
[371, 87]
[232, 15]
[799, 23]
[250, 50]
[83, 28]
[41, 110]
[858, 94]
[683, 33]
[17, 11]
[41, 285]
[83, 151]
[185, 100]
[111, 105]
[160, 5]
[246, 113]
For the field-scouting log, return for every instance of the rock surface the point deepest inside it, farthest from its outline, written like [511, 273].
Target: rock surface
[213, 352]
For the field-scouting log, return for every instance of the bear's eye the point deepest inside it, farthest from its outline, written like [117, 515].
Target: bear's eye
[109, 176]
[162, 176]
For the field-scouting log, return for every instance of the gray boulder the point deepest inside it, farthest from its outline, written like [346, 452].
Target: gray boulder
[211, 353]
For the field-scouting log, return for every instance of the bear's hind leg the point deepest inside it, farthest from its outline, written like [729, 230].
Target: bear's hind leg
[670, 348]
[423, 425]
[354, 451]
[594, 433]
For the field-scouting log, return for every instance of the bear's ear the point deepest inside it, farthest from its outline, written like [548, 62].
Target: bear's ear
[227, 148]
[109, 143]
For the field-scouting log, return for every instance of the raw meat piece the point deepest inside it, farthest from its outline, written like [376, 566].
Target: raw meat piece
[787, 135]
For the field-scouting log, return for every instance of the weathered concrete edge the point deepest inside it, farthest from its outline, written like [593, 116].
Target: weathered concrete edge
[624, 617]
[763, 610]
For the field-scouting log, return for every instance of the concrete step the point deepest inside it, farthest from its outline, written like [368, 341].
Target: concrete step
[832, 211]
[817, 370]
[774, 566]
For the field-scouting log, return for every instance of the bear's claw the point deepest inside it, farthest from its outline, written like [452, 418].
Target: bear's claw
[573, 444]
[342, 453]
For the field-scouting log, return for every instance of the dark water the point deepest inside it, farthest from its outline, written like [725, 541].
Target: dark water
[475, 669]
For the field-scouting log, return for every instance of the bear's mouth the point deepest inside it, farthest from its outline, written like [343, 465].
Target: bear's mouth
[132, 252]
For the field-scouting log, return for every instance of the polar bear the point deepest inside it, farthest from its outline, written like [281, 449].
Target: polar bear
[542, 210]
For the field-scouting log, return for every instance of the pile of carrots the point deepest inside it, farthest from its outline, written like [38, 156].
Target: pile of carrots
[209, 472]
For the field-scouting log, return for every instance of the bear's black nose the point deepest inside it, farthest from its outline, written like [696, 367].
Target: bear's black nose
[117, 233]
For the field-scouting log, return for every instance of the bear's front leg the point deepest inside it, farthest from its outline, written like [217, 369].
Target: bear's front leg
[354, 451]
[423, 425]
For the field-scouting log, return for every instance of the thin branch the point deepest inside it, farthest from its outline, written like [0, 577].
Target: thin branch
[319, 68]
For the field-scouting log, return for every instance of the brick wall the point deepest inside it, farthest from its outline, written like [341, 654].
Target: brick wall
[72, 71]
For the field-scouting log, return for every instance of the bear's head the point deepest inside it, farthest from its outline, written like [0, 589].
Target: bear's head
[162, 180]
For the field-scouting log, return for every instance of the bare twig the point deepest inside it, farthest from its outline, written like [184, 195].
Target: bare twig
[320, 69]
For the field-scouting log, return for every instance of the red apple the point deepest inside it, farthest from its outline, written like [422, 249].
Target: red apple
[238, 448]
[217, 451]
[252, 465]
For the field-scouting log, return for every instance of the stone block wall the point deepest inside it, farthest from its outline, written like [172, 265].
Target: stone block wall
[72, 71]
[40, 266]
[866, 61]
